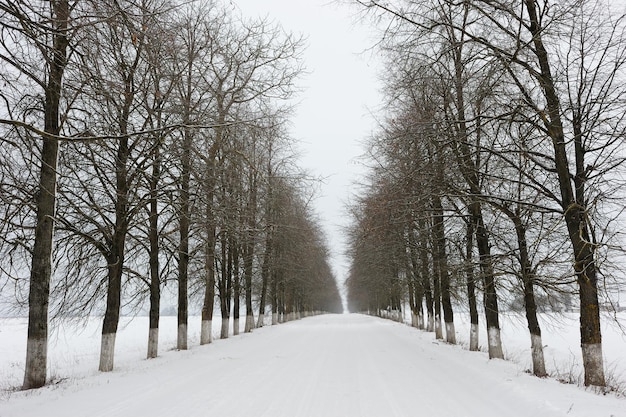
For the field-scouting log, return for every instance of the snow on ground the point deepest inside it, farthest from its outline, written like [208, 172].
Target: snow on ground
[561, 340]
[332, 365]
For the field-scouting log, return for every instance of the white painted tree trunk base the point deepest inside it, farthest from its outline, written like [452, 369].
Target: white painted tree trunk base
[36, 356]
[274, 319]
[593, 363]
[224, 329]
[539, 365]
[153, 343]
[181, 342]
[473, 338]
[450, 333]
[438, 329]
[249, 324]
[107, 352]
[431, 324]
[495, 343]
[235, 326]
[205, 332]
[261, 321]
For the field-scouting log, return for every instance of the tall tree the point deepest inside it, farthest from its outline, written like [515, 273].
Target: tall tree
[44, 30]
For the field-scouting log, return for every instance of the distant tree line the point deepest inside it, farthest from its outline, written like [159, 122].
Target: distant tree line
[497, 173]
[144, 144]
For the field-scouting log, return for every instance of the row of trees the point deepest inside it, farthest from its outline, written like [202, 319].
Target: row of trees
[144, 142]
[498, 171]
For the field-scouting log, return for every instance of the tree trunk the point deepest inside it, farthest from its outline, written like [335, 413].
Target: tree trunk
[274, 294]
[39, 291]
[186, 91]
[209, 290]
[281, 302]
[528, 280]
[267, 256]
[211, 239]
[236, 289]
[470, 173]
[35, 371]
[437, 297]
[442, 266]
[223, 287]
[417, 290]
[183, 246]
[425, 272]
[116, 257]
[411, 291]
[248, 286]
[574, 212]
[490, 298]
[265, 273]
[249, 252]
[471, 287]
[155, 279]
[112, 314]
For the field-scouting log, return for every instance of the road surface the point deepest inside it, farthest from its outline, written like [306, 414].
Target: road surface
[332, 365]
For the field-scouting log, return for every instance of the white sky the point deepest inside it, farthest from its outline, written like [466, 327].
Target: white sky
[340, 93]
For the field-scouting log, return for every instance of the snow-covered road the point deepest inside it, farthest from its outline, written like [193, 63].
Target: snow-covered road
[334, 365]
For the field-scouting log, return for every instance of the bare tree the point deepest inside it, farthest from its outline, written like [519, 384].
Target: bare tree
[101, 193]
[43, 31]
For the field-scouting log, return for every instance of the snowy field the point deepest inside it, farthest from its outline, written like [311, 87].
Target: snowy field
[333, 365]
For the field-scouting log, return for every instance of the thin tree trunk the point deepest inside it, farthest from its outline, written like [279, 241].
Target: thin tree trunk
[229, 283]
[490, 298]
[223, 287]
[155, 280]
[211, 240]
[266, 269]
[236, 288]
[425, 271]
[471, 287]
[411, 291]
[471, 176]
[274, 294]
[281, 302]
[247, 268]
[442, 264]
[209, 290]
[183, 246]
[539, 367]
[249, 252]
[184, 214]
[265, 274]
[416, 290]
[528, 280]
[437, 297]
[35, 371]
[115, 257]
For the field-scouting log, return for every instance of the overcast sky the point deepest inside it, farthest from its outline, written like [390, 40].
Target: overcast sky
[340, 94]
